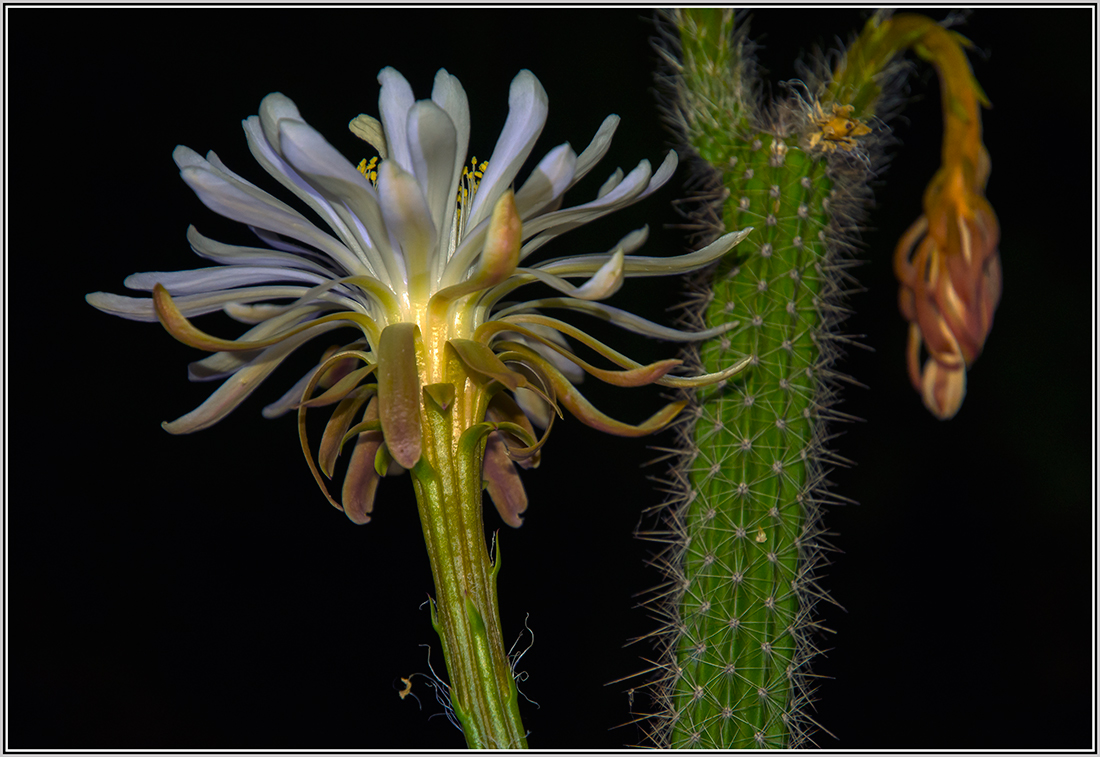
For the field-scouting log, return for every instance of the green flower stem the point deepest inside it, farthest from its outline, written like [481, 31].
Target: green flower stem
[465, 613]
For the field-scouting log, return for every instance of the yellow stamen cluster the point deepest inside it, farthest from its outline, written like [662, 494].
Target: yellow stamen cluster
[471, 177]
[467, 186]
[369, 169]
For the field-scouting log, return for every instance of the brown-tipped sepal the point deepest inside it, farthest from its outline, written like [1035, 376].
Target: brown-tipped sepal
[399, 392]
[502, 481]
[361, 480]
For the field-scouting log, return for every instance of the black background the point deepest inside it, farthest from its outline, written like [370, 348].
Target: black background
[198, 592]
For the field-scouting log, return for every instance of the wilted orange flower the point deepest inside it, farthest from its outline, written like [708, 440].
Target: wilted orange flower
[947, 261]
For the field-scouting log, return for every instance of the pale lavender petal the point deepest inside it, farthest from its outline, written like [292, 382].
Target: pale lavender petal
[238, 388]
[232, 200]
[213, 279]
[141, 308]
[227, 254]
[638, 184]
[409, 224]
[349, 192]
[549, 180]
[284, 173]
[596, 149]
[433, 145]
[527, 109]
[449, 95]
[394, 102]
[274, 108]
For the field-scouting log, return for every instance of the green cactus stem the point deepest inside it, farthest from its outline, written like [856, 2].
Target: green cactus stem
[744, 534]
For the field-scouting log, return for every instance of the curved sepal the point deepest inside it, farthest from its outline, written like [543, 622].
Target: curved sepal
[337, 426]
[361, 480]
[482, 360]
[399, 392]
[502, 481]
[585, 412]
[182, 329]
[303, 405]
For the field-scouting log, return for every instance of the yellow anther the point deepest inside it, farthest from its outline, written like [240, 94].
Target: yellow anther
[471, 177]
[369, 169]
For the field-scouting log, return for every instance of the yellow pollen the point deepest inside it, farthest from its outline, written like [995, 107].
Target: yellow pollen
[370, 169]
[468, 183]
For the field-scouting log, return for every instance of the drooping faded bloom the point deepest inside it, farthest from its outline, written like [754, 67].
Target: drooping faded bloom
[947, 262]
[423, 258]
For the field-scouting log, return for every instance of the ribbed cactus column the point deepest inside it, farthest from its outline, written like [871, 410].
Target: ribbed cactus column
[750, 478]
[743, 532]
[745, 521]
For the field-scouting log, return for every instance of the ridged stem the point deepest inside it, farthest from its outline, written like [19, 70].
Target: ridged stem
[465, 614]
[753, 438]
[747, 524]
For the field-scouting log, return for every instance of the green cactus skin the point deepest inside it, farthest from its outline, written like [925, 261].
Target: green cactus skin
[743, 532]
[750, 475]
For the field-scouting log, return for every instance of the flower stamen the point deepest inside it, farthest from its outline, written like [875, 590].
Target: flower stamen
[369, 169]
[468, 184]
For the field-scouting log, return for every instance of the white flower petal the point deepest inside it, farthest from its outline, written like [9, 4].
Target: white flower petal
[596, 149]
[273, 109]
[278, 243]
[527, 109]
[227, 254]
[394, 102]
[638, 183]
[410, 226]
[448, 94]
[614, 180]
[202, 280]
[628, 244]
[637, 265]
[239, 386]
[255, 208]
[433, 145]
[213, 160]
[276, 165]
[349, 192]
[622, 318]
[553, 175]
[191, 305]
[605, 282]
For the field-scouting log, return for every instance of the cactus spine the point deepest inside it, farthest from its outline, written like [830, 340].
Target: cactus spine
[743, 533]
[743, 530]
